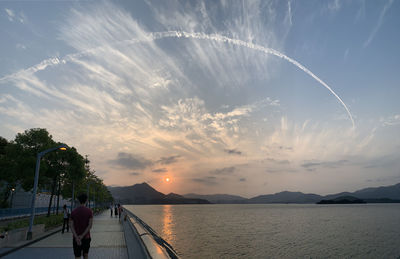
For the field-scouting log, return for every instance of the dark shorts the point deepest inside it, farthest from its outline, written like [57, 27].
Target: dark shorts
[83, 247]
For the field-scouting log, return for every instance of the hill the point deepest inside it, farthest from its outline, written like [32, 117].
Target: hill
[286, 197]
[174, 198]
[383, 194]
[342, 200]
[145, 194]
[218, 198]
[373, 193]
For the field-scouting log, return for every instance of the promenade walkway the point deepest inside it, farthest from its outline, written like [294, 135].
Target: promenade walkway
[109, 240]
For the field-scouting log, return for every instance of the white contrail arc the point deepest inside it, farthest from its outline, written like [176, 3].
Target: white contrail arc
[182, 34]
[220, 38]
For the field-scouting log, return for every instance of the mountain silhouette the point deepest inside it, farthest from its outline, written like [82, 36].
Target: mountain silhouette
[342, 200]
[286, 197]
[143, 193]
[388, 192]
[383, 194]
[218, 198]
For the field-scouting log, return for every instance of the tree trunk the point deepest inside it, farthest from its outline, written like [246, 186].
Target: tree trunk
[53, 190]
[6, 195]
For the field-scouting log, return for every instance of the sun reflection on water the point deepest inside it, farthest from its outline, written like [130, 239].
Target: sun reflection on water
[167, 223]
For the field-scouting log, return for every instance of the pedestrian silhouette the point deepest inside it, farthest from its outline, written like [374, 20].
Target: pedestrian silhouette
[81, 222]
[66, 218]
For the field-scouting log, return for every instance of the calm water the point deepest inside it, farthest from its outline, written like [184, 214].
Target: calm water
[277, 231]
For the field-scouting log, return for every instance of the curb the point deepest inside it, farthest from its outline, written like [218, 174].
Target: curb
[29, 243]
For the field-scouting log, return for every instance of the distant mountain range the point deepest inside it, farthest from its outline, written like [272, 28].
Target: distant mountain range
[286, 197]
[218, 198]
[343, 200]
[145, 194]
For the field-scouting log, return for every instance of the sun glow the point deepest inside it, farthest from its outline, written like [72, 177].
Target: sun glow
[167, 179]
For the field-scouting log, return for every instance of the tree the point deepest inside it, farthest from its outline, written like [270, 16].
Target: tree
[62, 171]
[56, 166]
[74, 172]
[8, 177]
[32, 142]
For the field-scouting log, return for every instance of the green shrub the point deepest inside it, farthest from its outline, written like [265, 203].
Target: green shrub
[49, 222]
[14, 225]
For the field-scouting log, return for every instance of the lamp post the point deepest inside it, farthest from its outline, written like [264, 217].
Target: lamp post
[35, 185]
[87, 194]
[73, 197]
[88, 183]
[12, 196]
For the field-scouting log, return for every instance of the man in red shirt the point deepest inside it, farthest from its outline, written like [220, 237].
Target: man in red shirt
[81, 221]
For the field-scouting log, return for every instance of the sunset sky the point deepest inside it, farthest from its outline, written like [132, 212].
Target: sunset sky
[208, 104]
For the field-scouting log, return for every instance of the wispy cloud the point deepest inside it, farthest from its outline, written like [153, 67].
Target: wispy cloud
[289, 14]
[329, 164]
[346, 54]
[20, 46]
[277, 161]
[334, 5]
[208, 180]
[224, 171]
[159, 170]
[361, 11]
[168, 160]
[233, 151]
[379, 23]
[391, 120]
[129, 161]
[10, 14]
[204, 110]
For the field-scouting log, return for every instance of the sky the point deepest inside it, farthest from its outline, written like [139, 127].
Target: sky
[238, 97]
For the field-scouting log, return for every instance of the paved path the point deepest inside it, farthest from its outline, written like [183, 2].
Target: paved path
[108, 241]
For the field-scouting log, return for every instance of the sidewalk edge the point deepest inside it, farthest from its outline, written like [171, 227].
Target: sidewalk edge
[29, 243]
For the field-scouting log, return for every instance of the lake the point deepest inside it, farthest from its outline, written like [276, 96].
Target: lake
[277, 231]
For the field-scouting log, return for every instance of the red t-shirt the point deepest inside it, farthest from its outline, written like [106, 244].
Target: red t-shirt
[80, 216]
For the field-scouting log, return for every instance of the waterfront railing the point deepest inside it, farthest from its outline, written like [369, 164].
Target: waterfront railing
[155, 245]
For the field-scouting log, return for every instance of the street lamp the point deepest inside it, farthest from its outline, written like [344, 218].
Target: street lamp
[35, 184]
[12, 194]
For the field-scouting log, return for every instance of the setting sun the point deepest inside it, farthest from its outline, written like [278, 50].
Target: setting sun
[167, 179]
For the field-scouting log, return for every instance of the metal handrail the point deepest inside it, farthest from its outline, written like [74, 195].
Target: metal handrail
[150, 232]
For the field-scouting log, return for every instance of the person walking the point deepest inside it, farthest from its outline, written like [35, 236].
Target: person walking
[111, 209]
[119, 211]
[81, 221]
[66, 218]
[116, 210]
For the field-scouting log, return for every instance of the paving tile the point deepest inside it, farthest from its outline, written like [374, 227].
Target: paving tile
[108, 241]
[67, 253]
[56, 240]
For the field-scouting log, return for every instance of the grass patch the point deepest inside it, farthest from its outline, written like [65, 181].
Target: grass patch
[49, 222]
